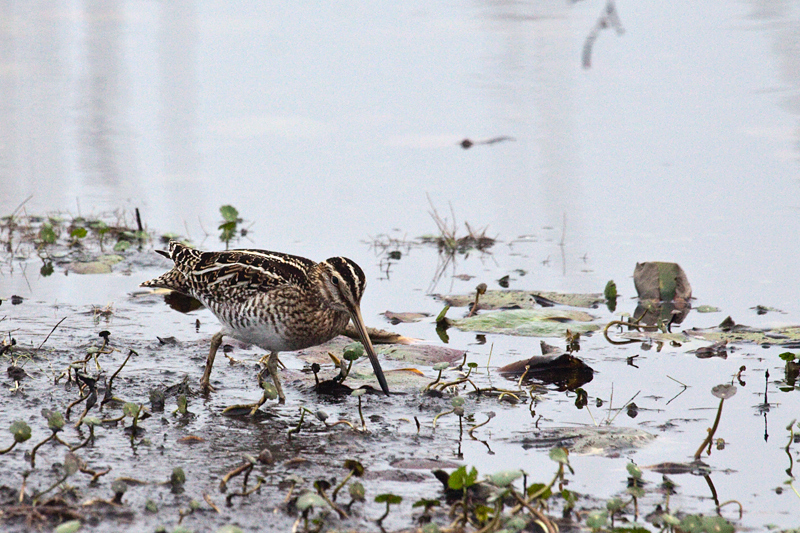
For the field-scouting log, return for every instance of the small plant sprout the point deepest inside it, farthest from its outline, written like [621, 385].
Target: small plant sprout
[90, 422]
[296, 429]
[357, 493]
[134, 411]
[439, 367]
[71, 465]
[322, 416]
[489, 416]
[230, 222]
[458, 408]
[356, 469]
[322, 485]
[723, 392]
[21, 432]
[177, 479]
[358, 393]
[305, 504]
[55, 421]
[352, 352]
[70, 526]
[389, 500]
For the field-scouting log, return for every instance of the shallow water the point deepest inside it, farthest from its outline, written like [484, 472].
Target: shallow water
[330, 126]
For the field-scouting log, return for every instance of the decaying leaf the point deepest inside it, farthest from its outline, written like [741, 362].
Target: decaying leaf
[660, 281]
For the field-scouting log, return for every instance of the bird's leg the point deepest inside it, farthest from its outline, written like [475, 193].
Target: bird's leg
[272, 366]
[216, 340]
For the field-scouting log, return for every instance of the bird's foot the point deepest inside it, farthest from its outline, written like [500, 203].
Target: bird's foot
[240, 409]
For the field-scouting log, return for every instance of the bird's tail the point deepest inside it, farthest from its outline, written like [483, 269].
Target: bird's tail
[175, 279]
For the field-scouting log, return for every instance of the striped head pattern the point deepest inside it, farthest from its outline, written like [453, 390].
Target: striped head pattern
[342, 283]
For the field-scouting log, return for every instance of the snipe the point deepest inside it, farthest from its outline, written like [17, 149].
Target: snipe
[278, 302]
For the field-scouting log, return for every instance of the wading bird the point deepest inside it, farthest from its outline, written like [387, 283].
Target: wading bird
[278, 302]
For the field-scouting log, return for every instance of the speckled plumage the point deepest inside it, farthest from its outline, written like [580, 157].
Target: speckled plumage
[279, 302]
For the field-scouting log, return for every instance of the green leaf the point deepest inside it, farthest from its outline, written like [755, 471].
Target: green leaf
[355, 466]
[515, 524]
[229, 213]
[358, 392]
[634, 471]
[457, 401]
[560, 455]
[47, 235]
[431, 527]
[121, 246]
[353, 351]
[71, 463]
[270, 391]
[78, 233]
[461, 479]
[506, 477]
[47, 268]
[537, 487]
[230, 529]
[441, 366]
[130, 409]
[427, 504]
[55, 420]
[178, 476]
[389, 498]
[70, 526]
[597, 519]
[20, 430]
[357, 491]
[788, 356]
[611, 290]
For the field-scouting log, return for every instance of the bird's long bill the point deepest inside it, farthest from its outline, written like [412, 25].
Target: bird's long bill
[358, 322]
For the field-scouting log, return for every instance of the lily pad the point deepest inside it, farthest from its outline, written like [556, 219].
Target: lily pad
[401, 318]
[788, 336]
[588, 440]
[513, 299]
[91, 267]
[528, 322]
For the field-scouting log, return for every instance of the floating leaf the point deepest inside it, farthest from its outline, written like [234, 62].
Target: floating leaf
[707, 309]
[121, 246]
[309, 500]
[358, 392]
[512, 299]
[400, 318]
[90, 267]
[441, 366]
[20, 430]
[528, 322]
[230, 529]
[457, 401]
[70, 526]
[506, 477]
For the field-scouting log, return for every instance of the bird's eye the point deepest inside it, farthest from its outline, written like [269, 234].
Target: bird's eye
[334, 280]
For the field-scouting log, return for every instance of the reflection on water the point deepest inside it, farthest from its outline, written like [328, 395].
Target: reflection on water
[328, 126]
